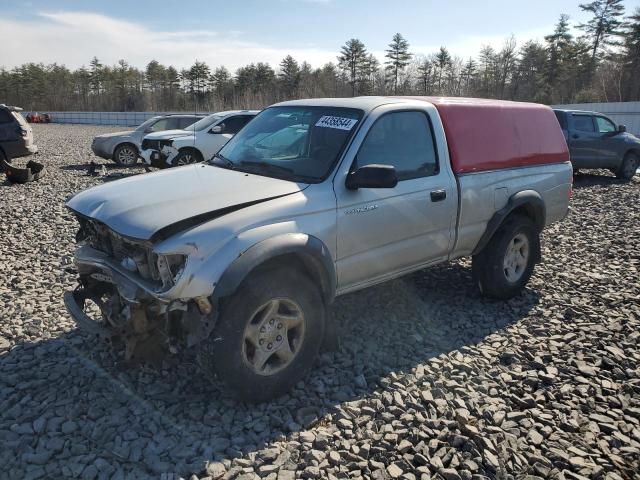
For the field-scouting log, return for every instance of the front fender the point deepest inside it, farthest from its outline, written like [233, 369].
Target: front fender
[309, 249]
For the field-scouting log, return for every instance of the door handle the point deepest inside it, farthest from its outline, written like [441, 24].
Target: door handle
[438, 195]
[575, 135]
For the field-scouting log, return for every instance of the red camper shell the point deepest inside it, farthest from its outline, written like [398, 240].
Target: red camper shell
[497, 134]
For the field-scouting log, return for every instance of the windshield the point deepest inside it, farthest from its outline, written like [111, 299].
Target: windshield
[298, 143]
[204, 123]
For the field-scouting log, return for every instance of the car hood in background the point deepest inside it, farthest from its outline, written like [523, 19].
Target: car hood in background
[153, 206]
[168, 134]
[115, 134]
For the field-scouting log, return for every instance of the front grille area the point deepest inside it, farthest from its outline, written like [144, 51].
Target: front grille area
[119, 248]
[155, 144]
[150, 144]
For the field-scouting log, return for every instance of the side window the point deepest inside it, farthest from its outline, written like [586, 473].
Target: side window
[561, 119]
[605, 125]
[584, 123]
[404, 140]
[184, 122]
[5, 117]
[162, 124]
[234, 124]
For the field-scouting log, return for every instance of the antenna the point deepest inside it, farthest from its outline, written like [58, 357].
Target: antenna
[195, 104]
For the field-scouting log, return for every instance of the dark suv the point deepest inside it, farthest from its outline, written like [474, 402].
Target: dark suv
[595, 141]
[16, 136]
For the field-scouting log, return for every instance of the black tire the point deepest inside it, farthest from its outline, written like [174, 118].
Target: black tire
[126, 155]
[228, 349]
[186, 156]
[629, 167]
[489, 266]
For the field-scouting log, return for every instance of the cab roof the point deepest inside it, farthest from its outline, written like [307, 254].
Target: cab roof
[368, 103]
[482, 134]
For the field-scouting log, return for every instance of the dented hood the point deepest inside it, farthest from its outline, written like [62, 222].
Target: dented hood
[156, 205]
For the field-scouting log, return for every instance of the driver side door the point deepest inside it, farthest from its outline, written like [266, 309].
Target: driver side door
[383, 232]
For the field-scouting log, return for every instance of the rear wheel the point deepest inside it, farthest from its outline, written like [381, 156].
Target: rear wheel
[186, 157]
[126, 155]
[268, 334]
[629, 166]
[505, 265]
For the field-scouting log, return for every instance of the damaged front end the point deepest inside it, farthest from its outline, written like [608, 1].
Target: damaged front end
[126, 287]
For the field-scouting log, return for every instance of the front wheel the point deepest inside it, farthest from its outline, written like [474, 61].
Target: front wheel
[125, 155]
[505, 265]
[268, 334]
[629, 167]
[186, 157]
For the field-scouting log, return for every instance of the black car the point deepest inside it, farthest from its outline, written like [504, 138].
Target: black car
[16, 136]
[595, 141]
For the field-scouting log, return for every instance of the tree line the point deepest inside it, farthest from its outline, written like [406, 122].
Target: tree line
[602, 63]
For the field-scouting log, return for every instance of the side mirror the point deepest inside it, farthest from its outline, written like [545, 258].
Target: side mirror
[218, 128]
[148, 130]
[372, 176]
[622, 128]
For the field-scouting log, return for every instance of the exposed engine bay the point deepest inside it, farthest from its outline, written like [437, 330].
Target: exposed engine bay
[122, 277]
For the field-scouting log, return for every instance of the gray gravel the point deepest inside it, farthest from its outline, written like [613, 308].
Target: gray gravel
[432, 381]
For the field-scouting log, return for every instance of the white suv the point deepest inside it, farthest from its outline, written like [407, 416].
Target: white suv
[197, 142]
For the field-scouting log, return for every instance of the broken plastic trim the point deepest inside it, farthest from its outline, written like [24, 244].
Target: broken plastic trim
[32, 172]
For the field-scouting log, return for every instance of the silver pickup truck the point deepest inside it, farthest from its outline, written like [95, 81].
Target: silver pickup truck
[244, 254]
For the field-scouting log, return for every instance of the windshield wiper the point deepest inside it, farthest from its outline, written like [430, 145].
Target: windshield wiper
[226, 163]
[268, 167]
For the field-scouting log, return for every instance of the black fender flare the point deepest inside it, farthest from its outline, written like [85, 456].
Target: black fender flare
[530, 201]
[309, 249]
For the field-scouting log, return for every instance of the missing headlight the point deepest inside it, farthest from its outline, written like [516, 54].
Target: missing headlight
[170, 267]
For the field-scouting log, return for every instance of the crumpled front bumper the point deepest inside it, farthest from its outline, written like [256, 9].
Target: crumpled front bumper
[132, 309]
[74, 302]
[159, 159]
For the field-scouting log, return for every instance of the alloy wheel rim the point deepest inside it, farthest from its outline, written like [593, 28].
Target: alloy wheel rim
[126, 156]
[516, 258]
[274, 336]
[631, 168]
[186, 159]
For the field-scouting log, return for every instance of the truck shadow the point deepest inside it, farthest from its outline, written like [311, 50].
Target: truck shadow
[595, 178]
[70, 392]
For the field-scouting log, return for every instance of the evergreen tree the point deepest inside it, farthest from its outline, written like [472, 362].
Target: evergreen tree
[605, 23]
[398, 58]
[289, 75]
[353, 60]
[443, 63]
[630, 56]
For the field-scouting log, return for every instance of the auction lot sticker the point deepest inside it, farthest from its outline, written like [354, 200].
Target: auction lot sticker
[341, 123]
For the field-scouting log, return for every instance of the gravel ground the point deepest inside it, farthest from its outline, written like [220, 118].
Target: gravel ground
[432, 381]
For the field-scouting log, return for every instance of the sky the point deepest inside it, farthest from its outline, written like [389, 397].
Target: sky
[237, 32]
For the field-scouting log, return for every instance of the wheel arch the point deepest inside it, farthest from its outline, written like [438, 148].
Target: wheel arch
[190, 148]
[292, 249]
[525, 202]
[122, 144]
[635, 150]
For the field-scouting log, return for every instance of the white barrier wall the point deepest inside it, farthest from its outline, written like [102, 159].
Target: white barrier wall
[125, 119]
[623, 113]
